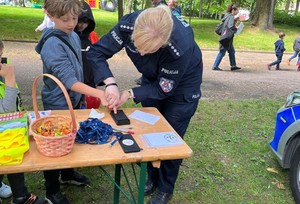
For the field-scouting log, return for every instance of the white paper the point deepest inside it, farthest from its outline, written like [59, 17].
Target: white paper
[162, 139]
[240, 28]
[31, 115]
[95, 114]
[145, 117]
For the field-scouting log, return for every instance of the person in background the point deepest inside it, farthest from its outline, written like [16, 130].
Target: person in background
[47, 23]
[60, 50]
[175, 8]
[84, 28]
[296, 48]
[279, 50]
[158, 2]
[229, 22]
[8, 104]
[163, 49]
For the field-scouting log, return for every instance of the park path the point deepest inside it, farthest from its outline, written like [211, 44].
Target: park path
[251, 82]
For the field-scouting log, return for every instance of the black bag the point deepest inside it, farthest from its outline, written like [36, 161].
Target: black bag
[226, 37]
[219, 28]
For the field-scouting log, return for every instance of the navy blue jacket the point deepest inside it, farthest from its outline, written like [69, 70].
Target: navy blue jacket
[174, 72]
[279, 47]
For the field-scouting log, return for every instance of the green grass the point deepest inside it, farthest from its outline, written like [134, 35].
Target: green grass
[229, 138]
[18, 23]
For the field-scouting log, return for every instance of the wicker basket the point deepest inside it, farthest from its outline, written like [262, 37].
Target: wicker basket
[53, 146]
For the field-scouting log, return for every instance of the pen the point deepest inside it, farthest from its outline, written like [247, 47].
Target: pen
[118, 137]
[113, 142]
[123, 130]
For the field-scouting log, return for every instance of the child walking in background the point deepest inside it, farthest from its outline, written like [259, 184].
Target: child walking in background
[8, 104]
[60, 51]
[279, 50]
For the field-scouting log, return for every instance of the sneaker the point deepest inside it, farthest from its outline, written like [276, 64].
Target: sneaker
[161, 198]
[29, 199]
[5, 191]
[233, 68]
[217, 69]
[57, 198]
[76, 179]
[269, 67]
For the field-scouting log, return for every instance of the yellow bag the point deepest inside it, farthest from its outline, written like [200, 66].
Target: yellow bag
[13, 137]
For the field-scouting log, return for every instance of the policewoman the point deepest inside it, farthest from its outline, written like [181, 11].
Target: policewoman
[163, 49]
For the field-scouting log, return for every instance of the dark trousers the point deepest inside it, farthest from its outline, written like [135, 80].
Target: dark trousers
[178, 114]
[278, 61]
[17, 184]
[52, 179]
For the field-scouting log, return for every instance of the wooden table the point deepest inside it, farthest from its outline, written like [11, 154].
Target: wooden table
[83, 155]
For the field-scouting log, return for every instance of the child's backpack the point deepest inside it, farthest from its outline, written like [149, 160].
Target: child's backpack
[297, 45]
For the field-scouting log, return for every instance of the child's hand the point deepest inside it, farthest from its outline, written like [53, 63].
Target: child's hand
[8, 73]
[7, 70]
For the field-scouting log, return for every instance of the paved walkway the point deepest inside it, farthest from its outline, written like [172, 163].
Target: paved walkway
[252, 81]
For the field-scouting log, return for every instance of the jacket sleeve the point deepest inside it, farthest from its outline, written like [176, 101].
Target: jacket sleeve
[61, 62]
[104, 49]
[8, 103]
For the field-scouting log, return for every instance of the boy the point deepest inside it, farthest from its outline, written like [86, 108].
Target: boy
[279, 49]
[8, 100]
[84, 28]
[60, 51]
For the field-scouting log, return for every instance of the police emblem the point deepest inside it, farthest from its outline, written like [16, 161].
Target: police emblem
[166, 84]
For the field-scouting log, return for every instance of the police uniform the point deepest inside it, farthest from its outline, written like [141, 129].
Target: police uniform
[171, 79]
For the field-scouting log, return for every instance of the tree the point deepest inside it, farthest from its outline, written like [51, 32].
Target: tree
[263, 14]
[297, 6]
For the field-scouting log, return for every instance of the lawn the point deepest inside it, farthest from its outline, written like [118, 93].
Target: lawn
[18, 23]
[231, 159]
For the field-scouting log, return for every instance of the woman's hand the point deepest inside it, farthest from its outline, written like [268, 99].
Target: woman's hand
[112, 96]
[125, 95]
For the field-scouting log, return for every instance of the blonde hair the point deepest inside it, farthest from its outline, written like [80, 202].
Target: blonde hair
[152, 29]
[58, 8]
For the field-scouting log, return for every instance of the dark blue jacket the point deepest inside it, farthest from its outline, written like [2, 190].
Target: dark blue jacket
[279, 47]
[173, 72]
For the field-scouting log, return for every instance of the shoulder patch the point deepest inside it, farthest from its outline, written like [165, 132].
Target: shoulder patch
[166, 84]
[175, 50]
[126, 27]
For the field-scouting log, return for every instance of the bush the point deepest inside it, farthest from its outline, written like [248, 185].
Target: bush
[282, 17]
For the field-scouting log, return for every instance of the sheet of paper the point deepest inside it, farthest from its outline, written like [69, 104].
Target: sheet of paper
[95, 114]
[240, 28]
[145, 117]
[162, 139]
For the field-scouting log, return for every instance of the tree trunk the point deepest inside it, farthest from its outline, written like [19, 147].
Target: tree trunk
[287, 5]
[263, 17]
[201, 8]
[297, 6]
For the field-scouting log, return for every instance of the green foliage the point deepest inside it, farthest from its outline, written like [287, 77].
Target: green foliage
[20, 22]
[282, 17]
